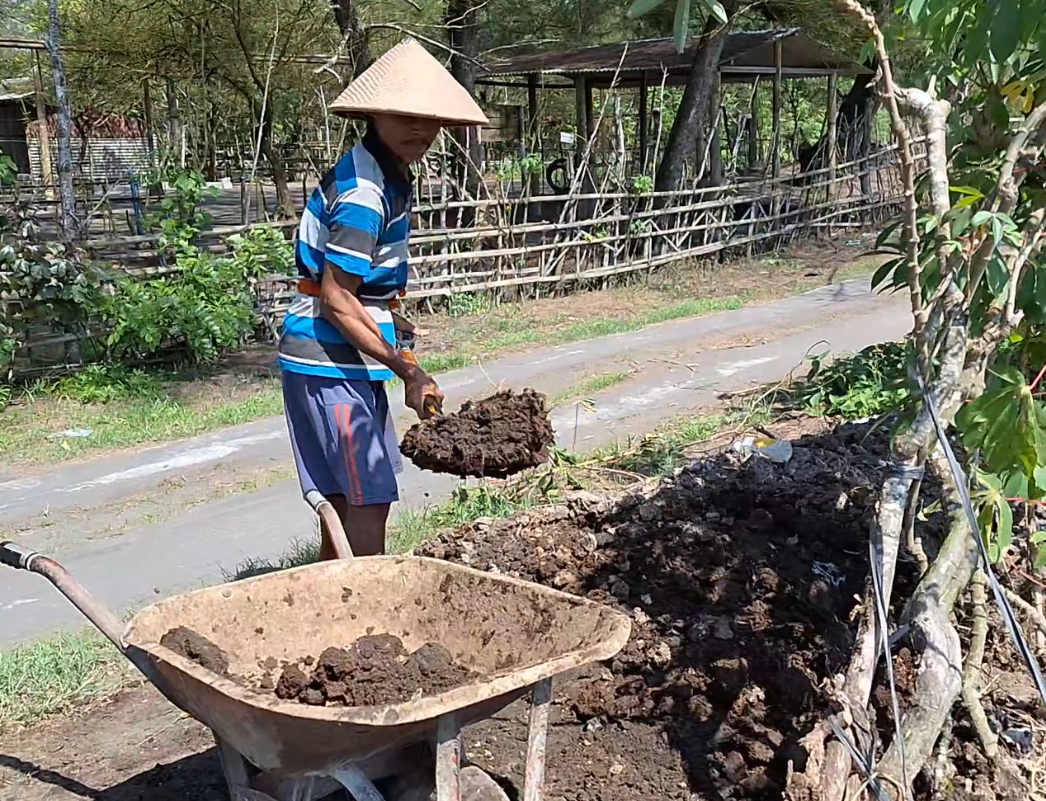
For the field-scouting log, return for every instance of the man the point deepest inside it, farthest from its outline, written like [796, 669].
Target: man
[339, 346]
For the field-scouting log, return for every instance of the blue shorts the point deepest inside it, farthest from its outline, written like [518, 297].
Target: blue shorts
[337, 429]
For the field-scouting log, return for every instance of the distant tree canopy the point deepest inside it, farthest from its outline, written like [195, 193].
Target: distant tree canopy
[230, 72]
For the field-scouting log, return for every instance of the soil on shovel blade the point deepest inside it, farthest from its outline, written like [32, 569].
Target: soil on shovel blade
[499, 436]
[374, 670]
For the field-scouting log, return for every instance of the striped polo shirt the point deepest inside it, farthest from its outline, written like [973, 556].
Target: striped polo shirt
[357, 219]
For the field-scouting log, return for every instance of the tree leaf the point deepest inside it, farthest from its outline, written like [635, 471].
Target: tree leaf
[1005, 33]
[1016, 485]
[715, 8]
[970, 195]
[997, 275]
[681, 26]
[915, 9]
[885, 270]
[1004, 533]
[980, 218]
[641, 7]
[1040, 558]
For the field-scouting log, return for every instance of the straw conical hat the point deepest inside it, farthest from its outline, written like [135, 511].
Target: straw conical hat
[408, 80]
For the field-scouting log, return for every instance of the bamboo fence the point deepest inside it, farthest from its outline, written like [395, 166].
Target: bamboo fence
[514, 248]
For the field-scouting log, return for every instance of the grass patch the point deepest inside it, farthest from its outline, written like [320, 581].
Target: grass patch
[55, 675]
[64, 426]
[590, 385]
[590, 329]
[467, 505]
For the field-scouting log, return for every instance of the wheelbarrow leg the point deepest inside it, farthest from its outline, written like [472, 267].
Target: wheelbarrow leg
[448, 759]
[356, 782]
[537, 741]
[234, 766]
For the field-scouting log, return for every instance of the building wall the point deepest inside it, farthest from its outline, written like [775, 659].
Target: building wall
[105, 160]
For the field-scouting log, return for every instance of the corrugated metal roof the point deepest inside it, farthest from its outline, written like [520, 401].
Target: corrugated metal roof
[12, 89]
[104, 159]
[744, 53]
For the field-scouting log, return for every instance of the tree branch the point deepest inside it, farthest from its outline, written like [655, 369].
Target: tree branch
[940, 668]
[971, 672]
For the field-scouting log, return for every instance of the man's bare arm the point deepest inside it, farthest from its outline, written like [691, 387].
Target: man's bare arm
[342, 309]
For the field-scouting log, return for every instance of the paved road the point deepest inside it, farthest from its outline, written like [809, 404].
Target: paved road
[677, 366]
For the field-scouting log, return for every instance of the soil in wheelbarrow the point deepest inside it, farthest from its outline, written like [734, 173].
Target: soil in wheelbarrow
[374, 670]
[196, 648]
[497, 437]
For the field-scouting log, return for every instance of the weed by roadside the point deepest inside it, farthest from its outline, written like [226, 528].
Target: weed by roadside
[54, 675]
[865, 384]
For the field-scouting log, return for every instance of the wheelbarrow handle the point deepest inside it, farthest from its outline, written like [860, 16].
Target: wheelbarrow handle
[21, 558]
[17, 556]
[325, 509]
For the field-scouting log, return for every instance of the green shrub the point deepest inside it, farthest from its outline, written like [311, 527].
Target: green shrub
[866, 384]
[202, 309]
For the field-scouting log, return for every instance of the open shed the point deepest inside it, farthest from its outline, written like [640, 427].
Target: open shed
[746, 57]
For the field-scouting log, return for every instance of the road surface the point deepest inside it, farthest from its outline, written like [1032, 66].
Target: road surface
[204, 516]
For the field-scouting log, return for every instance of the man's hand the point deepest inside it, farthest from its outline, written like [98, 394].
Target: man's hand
[422, 394]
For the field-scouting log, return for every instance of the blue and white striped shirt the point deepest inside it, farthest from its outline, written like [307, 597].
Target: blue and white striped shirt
[358, 220]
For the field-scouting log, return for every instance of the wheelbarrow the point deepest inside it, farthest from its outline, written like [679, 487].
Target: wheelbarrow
[516, 636]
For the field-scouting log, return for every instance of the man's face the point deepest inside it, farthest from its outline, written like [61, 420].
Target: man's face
[409, 138]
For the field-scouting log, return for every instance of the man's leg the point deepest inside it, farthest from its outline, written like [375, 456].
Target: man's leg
[364, 526]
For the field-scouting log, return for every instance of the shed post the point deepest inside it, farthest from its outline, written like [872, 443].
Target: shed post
[590, 117]
[580, 98]
[532, 140]
[754, 127]
[778, 103]
[715, 153]
[46, 166]
[644, 121]
[833, 129]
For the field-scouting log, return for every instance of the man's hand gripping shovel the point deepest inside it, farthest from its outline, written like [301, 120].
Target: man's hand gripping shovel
[433, 404]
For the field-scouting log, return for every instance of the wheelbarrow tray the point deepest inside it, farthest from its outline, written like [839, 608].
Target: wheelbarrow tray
[512, 633]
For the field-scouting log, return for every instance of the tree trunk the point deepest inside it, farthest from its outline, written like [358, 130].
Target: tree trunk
[462, 24]
[347, 17]
[68, 221]
[284, 200]
[695, 106]
[176, 154]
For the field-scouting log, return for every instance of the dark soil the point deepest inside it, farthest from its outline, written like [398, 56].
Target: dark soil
[740, 580]
[374, 670]
[197, 648]
[497, 437]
